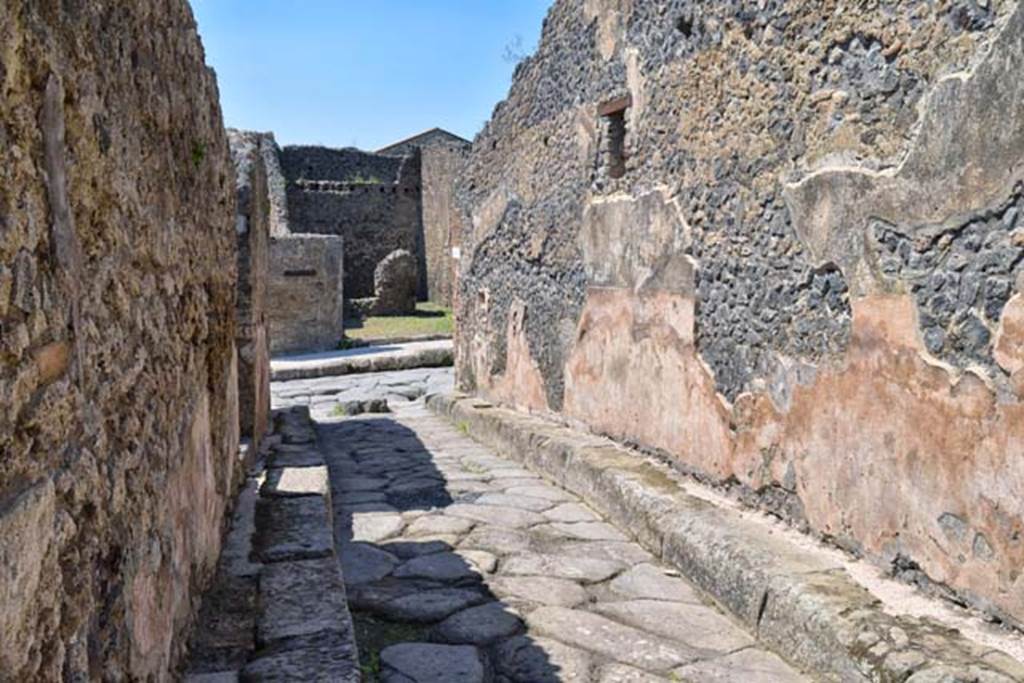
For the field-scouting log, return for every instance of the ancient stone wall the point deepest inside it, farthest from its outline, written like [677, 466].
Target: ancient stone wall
[252, 230]
[441, 165]
[781, 245]
[118, 392]
[305, 293]
[372, 201]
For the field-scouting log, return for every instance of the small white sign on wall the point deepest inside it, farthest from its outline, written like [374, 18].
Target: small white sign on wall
[456, 252]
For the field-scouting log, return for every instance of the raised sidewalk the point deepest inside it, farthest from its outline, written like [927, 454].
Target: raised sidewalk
[800, 600]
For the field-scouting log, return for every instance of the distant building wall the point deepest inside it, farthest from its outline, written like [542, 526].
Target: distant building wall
[305, 293]
[371, 200]
[441, 219]
[430, 138]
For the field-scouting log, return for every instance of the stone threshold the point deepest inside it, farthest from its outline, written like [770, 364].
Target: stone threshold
[387, 358]
[799, 601]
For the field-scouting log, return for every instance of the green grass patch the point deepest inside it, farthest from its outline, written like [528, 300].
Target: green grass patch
[429, 319]
[374, 634]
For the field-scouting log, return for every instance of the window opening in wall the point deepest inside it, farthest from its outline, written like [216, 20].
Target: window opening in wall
[300, 273]
[685, 26]
[614, 114]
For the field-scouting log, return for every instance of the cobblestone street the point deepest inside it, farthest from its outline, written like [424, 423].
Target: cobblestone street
[462, 566]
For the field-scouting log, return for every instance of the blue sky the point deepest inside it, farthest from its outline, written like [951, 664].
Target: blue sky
[363, 73]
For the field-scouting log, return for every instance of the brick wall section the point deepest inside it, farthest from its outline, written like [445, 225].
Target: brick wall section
[305, 290]
[372, 201]
[441, 164]
[118, 396]
[252, 230]
[805, 286]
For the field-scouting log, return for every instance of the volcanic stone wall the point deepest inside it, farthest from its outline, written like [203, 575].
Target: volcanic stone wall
[781, 245]
[252, 230]
[118, 395]
[441, 164]
[370, 200]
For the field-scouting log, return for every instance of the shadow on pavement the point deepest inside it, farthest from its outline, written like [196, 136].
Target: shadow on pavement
[421, 608]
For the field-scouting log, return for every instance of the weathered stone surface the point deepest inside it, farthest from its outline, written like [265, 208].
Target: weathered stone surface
[497, 540]
[588, 531]
[520, 502]
[442, 229]
[252, 230]
[395, 281]
[540, 491]
[614, 641]
[372, 526]
[620, 673]
[483, 561]
[363, 563]
[118, 386]
[697, 626]
[750, 664]
[571, 512]
[445, 566]
[301, 598]
[289, 482]
[292, 529]
[305, 293]
[541, 660]
[480, 625]
[649, 581]
[439, 524]
[322, 657]
[496, 515]
[425, 663]
[429, 606]
[542, 590]
[753, 259]
[575, 567]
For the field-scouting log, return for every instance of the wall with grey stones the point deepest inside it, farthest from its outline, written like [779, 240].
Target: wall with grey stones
[118, 392]
[779, 245]
[370, 200]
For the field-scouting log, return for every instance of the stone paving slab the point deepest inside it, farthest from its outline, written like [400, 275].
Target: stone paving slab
[290, 482]
[475, 567]
[799, 603]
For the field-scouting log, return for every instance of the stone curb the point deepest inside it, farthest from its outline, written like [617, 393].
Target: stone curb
[351, 365]
[301, 631]
[803, 607]
[358, 343]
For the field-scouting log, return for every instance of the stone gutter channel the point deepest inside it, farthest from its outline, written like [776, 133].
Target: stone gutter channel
[803, 604]
[278, 609]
